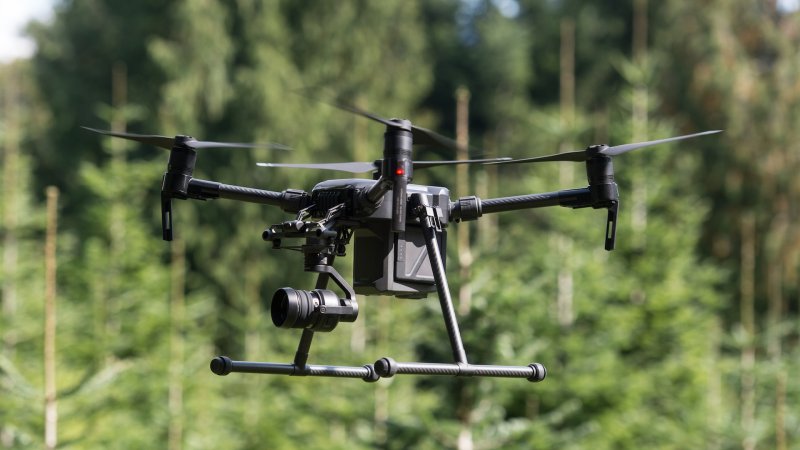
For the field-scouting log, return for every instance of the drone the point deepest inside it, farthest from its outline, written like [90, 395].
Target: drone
[399, 231]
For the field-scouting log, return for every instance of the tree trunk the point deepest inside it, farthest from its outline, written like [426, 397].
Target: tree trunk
[465, 440]
[10, 224]
[639, 122]
[747, 312]
[566, 172]
[462, 187]
[177, 342]
[50, 395]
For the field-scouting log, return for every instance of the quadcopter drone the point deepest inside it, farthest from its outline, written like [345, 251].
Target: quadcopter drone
[400, 234]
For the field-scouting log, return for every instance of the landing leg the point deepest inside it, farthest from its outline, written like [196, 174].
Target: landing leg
[429, 218]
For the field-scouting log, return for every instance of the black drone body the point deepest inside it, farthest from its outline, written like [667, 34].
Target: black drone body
[399, 232]
[384, 262]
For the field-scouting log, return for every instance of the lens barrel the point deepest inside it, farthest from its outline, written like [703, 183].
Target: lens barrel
[317, 310]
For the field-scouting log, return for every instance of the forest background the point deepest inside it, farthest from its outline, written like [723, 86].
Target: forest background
[686, 336]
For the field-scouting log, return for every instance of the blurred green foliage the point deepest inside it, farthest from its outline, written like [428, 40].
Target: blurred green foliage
[686, 336]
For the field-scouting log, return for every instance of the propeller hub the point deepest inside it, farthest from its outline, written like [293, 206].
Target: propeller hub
[402, 124]
[183, 140]
[594, 150]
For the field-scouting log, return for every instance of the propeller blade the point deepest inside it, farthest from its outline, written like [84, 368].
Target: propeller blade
[361, 167]
[353, 167]
[209, 144]
[583, 155]
[425, 164]
[579, 155]
[422, 136]
[620, 149]
[168, 142]
[362, 113]
[152, 139]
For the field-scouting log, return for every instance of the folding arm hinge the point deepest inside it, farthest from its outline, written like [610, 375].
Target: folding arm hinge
[429, 216]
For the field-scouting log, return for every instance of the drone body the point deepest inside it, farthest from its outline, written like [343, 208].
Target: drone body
[399, 232]
[386, 263]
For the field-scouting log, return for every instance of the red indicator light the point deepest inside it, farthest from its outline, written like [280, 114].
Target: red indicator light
[400, 171]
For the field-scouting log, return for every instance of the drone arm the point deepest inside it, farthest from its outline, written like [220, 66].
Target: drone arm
[471, 208]
[598, 195]
[289, 200]
[573, 198]
[372, 197]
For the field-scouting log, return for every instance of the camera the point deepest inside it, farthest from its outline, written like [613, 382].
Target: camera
[317, 310]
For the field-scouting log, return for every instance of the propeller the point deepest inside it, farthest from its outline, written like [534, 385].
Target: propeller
[361, 167]
[353, 167]
[180, 167]
[168, 142]
[600, 172]
[421, 136]
[588, 153]
[397, 162]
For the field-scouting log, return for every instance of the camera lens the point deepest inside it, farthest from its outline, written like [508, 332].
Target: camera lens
[280, 309]
[318, 310]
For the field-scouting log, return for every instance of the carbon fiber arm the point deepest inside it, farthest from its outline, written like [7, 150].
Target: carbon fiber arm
[289, 200]
[471, 208]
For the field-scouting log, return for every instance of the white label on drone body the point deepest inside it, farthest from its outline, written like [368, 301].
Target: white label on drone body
[400, 249]
[399, 207]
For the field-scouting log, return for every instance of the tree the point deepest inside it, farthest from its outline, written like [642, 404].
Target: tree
[742, 79]
[641, 347]
[22, 275]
